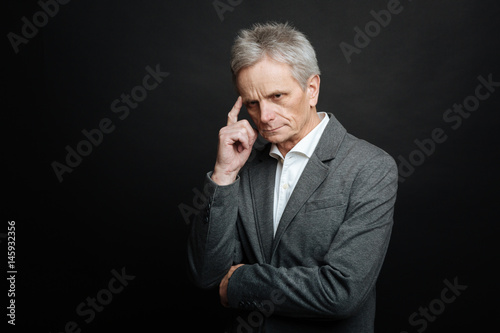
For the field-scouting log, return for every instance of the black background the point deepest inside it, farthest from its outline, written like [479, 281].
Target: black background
[120, 207]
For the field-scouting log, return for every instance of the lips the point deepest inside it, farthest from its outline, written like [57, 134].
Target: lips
[272, 129]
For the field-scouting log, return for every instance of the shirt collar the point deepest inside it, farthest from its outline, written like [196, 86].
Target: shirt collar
[308, 144]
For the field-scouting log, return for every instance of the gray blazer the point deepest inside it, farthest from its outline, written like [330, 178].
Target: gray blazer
[318, 273]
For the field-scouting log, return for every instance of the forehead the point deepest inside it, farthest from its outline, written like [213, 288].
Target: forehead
[264, 77]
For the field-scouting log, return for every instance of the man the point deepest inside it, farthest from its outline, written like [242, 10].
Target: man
[295, 237]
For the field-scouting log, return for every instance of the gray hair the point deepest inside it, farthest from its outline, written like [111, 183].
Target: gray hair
[279, 41]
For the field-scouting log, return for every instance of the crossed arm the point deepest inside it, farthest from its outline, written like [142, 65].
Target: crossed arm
[336, 287]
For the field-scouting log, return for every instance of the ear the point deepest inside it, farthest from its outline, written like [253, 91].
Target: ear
[313, 90]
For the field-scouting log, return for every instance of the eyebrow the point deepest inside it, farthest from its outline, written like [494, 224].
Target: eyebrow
[246, 101]
[275, 92]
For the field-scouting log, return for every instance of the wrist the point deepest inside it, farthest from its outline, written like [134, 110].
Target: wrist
[222, 178]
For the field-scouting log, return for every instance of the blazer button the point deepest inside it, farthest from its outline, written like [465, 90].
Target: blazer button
[245, 305]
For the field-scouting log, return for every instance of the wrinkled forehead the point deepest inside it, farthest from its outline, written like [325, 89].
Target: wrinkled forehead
[265, 77]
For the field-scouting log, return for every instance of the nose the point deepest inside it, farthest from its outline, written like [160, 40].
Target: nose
[266, 112]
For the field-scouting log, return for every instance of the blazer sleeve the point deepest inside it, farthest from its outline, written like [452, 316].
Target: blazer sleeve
[346, 276]
[212, 237]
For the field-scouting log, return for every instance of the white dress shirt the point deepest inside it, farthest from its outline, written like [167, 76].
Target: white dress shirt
[290, 167]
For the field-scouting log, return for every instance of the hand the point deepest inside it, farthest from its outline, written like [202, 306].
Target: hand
[223, 285]
[235, 145]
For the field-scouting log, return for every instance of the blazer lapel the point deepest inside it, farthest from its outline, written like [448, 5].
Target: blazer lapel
[262, 178]
[313, 175]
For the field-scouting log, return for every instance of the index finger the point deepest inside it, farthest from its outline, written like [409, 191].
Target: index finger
[232, 116]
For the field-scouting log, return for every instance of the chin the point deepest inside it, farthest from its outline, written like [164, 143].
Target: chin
[277, 137]
[271, 137]
[274, 138]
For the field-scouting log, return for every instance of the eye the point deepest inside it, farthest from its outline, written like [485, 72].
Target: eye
[277, 96]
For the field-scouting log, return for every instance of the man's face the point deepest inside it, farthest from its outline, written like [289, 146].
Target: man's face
[281, 110]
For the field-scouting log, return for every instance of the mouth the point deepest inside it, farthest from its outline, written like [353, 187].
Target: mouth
[272, 129]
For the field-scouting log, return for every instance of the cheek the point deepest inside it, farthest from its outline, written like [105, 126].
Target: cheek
[294, 109]
[285, 113]
[301, 111]
[295, 117]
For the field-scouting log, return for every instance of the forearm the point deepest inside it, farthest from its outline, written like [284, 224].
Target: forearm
[212, 241]
[338, 284]
[321, 292]
[299, 291]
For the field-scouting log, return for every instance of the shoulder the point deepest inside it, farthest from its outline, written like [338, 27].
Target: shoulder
[363, 151]
[373, 166]
[357, 159]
